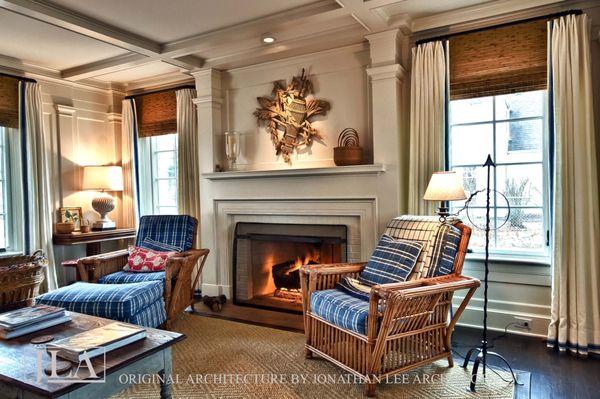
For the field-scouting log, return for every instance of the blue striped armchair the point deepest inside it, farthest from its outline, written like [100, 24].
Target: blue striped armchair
[149, 299]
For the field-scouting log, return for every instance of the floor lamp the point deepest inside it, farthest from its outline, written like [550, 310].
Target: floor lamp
[447, 186]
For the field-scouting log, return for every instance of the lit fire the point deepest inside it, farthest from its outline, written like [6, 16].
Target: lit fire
[301, 262]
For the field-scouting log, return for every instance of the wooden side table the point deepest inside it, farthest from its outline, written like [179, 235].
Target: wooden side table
[92, 240]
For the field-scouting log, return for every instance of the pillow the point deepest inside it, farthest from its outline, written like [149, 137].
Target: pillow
[142, 260]
[391, 262]
[149, 243]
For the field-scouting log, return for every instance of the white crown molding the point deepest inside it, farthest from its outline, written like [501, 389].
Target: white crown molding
[480, 11]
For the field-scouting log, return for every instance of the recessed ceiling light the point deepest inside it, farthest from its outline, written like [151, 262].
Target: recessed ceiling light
[268, 39]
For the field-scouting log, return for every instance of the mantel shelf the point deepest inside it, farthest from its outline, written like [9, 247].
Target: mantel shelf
[374, 169]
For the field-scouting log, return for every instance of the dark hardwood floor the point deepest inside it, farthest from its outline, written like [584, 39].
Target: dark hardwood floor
[553, 375]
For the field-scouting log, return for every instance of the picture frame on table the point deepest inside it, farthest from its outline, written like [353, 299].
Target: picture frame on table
[71, 214]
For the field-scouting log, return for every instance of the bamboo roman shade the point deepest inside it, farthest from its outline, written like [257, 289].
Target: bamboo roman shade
[9, 102]
[156, 113]
[497, 61]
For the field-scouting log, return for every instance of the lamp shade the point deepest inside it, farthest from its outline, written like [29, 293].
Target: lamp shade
[109, 178]
[445, 186]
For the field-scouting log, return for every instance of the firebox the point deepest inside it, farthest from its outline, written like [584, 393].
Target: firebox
[267, 258]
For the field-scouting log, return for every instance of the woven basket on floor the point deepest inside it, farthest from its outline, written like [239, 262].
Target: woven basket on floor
[20, 279]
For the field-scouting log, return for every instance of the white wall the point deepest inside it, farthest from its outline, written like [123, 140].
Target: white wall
[84, 123]
[338, 76]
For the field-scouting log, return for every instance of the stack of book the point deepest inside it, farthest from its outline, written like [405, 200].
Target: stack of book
[97, 341]
[31, 319]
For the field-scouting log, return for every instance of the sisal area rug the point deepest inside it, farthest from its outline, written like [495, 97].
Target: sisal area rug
[226, 359]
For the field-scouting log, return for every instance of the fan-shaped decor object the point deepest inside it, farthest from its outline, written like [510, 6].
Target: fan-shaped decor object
[288, 115]
[348, 151]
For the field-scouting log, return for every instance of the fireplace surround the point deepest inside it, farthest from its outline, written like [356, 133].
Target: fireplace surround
[267, 258]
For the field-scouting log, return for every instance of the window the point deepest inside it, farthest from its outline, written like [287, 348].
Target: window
[512, 128]
[11, 191]
[158, 191]
[4, 186]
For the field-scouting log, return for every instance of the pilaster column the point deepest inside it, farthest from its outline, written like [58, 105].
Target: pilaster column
[208, 106]
[390, 144]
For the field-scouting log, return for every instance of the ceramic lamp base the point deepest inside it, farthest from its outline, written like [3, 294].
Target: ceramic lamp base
[103, 205]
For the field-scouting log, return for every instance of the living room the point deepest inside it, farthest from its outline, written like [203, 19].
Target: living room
[301, 198]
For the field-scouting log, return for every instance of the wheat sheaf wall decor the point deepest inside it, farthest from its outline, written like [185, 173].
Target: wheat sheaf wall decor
[288, 115]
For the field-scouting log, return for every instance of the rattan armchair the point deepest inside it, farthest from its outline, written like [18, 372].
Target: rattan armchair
[182, 273]
[408, 323]
[180, 270]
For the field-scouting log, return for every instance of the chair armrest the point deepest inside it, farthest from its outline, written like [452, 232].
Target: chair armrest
[392, 305]
[427, 286]
[91, 268]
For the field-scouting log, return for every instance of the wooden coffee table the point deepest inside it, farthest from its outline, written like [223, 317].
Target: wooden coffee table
[20, 376]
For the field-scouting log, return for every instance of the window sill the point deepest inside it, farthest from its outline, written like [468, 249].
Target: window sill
[8, 254]
[525, 260]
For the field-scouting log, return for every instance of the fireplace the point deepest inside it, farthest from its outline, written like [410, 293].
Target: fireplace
[267, 258]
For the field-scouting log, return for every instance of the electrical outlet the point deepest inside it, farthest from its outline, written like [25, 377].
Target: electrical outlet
[523, 322]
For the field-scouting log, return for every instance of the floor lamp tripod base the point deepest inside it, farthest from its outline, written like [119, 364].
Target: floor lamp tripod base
[478, 360]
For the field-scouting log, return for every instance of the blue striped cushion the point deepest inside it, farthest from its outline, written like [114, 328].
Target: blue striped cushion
[445, 249]
[174, 230]
[152, 315]
[391, 262]
[113, 301]
[341, 309]
[128, 277]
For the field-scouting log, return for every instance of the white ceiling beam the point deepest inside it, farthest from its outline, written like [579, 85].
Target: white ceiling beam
[103, 67]
[305, 18]
[363, 13]
[85, 26]
[146, 51]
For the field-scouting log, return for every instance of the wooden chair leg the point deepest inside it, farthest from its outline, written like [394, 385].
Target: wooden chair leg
[308, 353]
[370, 389]
[450, 360]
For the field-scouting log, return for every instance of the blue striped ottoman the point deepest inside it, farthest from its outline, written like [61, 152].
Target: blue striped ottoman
[137, 303]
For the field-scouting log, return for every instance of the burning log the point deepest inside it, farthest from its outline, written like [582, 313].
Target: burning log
[287, 274]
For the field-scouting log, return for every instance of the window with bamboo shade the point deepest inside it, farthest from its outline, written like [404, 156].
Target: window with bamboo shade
[497, 61]
[9, 102]
[156, 113]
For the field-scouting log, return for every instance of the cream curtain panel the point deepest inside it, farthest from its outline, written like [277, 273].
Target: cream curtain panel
[37, 156]
[128, 156]
[575, 322]
[427, 122]
[188, 164]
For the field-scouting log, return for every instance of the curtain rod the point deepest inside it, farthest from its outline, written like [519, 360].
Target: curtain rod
[24, 79]
[451, 35]
[160, 91]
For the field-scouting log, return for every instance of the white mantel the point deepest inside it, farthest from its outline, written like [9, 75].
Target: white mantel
[375, 169]
[362, 197]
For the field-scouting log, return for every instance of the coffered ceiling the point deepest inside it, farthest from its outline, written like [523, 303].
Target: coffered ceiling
[128, 42]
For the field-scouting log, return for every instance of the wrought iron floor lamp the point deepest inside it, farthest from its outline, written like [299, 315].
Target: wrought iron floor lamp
[483, 352]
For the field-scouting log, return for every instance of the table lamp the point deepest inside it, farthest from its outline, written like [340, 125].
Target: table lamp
[103, 178]
[444, 187]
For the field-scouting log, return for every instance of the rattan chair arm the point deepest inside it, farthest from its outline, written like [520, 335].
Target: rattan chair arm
[91, 268]
[333, 268]
[427, 286]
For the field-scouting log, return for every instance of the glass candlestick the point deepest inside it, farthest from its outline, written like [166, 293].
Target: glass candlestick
[232, 149]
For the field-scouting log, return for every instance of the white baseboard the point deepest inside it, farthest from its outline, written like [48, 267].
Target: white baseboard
[216, 289]
[499, 318]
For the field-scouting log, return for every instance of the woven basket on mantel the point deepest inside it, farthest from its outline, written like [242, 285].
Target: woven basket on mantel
[20, 279]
